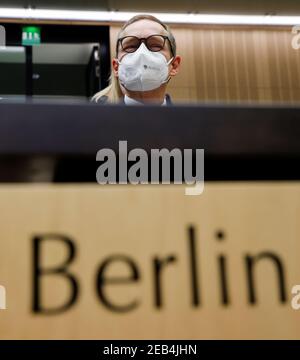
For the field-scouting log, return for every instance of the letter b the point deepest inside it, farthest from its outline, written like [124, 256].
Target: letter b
[61, 270]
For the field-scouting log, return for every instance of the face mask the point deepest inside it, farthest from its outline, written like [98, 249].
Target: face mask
[143, 70]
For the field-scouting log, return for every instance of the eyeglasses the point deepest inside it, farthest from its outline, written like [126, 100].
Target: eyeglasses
[154, 43]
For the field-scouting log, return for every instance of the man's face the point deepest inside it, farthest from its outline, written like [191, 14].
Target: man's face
[143, 29]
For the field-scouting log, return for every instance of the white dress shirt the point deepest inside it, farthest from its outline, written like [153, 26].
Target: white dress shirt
[129, 101]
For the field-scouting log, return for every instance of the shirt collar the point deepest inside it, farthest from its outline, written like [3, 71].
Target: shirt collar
[130, 101]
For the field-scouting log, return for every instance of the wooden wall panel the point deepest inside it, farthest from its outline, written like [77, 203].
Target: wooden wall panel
[235, 65]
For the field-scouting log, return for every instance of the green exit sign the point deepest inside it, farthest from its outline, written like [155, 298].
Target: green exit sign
[31, 35]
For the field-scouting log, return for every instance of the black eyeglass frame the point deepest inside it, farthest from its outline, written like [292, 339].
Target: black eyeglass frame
[144, 40]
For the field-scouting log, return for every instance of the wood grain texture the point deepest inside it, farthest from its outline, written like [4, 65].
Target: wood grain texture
[235, 64]
[144, 223]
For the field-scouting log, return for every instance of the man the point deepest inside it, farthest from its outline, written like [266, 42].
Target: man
[145, 62]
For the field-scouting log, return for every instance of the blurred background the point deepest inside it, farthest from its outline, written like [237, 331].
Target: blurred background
[223, 62]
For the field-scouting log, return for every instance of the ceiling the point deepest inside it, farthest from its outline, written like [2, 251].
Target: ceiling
[280, 7]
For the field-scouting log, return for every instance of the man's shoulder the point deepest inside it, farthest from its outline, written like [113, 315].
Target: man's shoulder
[101, 100]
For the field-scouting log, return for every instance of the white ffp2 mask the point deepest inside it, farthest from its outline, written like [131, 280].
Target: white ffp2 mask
[143, 70]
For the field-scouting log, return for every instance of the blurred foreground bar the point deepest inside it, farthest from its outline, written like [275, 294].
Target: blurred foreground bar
[58, 142]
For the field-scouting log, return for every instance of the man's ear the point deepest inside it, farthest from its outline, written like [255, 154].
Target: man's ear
[175, 65]
[115, 66]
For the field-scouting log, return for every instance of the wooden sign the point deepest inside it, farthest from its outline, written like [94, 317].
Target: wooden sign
[148, 262]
